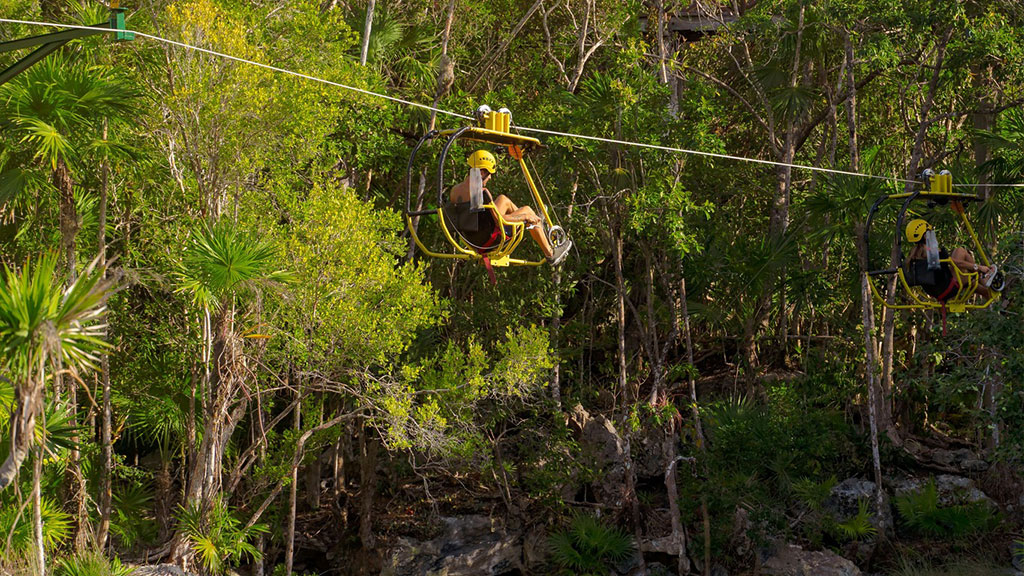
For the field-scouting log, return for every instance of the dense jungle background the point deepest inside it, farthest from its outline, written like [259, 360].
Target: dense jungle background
[220, 352]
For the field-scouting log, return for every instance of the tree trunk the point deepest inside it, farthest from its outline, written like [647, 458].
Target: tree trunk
[219, 420]
[367, 29]
[37, 512]
[289, 539]
[620, 295]
[367, 486]
[28, 405]
[695, 413]
[556, 327]
[68, 216]
[868, 321]
[74, 478]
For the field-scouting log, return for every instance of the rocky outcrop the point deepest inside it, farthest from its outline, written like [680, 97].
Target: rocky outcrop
[468, 546]
[793, 560]
[843, 503]
[952, 490]
[606, 452]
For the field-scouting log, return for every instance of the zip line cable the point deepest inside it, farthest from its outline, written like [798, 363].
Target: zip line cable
[464, 117]
[242, 60]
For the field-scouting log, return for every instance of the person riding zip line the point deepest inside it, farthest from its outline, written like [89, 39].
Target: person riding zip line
[927, 250]
[485, 234]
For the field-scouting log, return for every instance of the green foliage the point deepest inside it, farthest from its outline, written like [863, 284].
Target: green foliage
[220, 263]
[352, 302]
[132, 519]
[858, 526]
[91, 564]
[589, 547]
[922, 514]
[813, 494]
[40, 322]
[16, 523]
[218, 539]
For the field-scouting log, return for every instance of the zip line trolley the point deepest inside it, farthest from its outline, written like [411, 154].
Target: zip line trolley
[491, 128]
[935, 282]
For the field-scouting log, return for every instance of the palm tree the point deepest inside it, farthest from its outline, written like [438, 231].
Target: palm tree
[57, 108]
[42, 327]
[219, 269]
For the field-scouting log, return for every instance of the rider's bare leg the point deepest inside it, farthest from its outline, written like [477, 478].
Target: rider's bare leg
[509, 212]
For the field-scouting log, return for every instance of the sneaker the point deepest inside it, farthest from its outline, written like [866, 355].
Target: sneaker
[997, 282]
[560, 252]
[987, 282]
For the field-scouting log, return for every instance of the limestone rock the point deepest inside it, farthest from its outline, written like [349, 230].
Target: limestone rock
[469, 546]
[739, 541]
[607, 451]
[961, 458]
[843, 502]
[952, 490]
[160, 570]
[793, 560]
[535, 548]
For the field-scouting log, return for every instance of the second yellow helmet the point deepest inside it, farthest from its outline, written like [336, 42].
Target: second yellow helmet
[484, 160]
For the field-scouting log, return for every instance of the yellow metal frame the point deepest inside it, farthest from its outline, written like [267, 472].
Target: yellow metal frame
[967, 283]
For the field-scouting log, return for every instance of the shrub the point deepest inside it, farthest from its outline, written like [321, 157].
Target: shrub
[588, 547]
[91, 564]
[922, 514]
[218, 539]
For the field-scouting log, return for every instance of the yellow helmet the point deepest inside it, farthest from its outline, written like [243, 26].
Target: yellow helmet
[916, 229]
[484, 160]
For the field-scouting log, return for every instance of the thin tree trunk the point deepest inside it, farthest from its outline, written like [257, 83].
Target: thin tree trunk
[695, 413]
[28, 405]
[368, 486]
[659, 392]
[367, 29]
[106, 469]
[620, 295]
[868, 321]
[37, 511]
[662, 50]
[289, 541]
[68, 216]
[74, 477]
[556, 317]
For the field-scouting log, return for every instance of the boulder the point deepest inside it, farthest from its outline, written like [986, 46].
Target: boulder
[793, 560]
[468, 546]
[843, 503]
[952, 490]
[653, 449]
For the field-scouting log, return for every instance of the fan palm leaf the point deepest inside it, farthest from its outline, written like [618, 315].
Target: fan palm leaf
[220, 263]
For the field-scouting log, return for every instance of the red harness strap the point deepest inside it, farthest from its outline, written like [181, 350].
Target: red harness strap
[493, 240]
[490, 270]
[942, 300]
